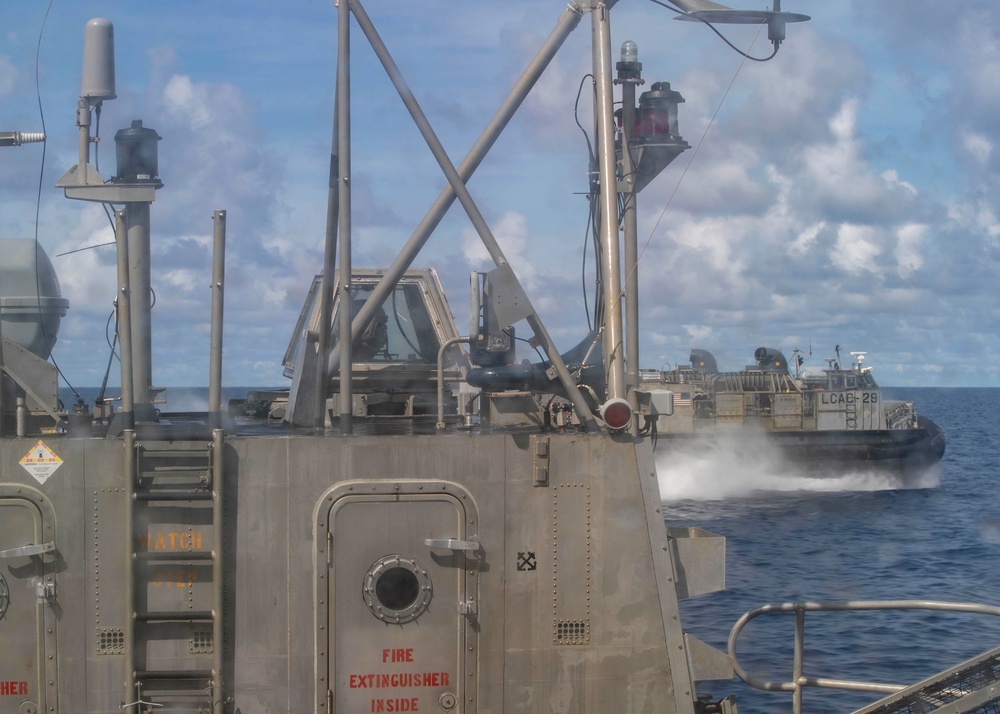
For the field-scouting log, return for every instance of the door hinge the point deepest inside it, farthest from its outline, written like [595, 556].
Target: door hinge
[468, 608]
[45, 591]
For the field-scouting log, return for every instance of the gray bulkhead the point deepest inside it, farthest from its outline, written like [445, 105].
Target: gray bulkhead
[543, 563]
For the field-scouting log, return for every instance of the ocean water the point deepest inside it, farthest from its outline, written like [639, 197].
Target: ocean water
[793, 538]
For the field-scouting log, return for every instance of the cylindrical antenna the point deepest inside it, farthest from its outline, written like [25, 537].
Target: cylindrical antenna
[98, 61]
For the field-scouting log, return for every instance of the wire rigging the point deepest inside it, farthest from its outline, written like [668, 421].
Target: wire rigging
[745, 56]
[694, 155]
[38, 197]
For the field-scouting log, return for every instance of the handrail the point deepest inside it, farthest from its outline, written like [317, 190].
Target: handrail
[799, 680]
[440, 375]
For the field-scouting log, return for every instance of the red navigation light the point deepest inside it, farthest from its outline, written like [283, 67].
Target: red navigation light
[617, 413]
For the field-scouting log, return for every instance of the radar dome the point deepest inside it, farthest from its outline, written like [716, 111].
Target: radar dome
[31, 305]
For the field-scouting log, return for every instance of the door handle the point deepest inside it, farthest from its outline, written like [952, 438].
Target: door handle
[28, 550]
[452, 544]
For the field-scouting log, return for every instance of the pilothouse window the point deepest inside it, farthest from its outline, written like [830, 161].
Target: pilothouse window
[400, 330]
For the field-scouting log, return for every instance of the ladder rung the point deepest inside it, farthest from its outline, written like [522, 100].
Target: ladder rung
[161, 555]
[176, 616]
[175, 468]
[199, 449]
[174, 674]
[164, 495]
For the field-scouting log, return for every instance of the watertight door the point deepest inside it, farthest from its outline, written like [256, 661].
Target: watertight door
[22, 608]
[400, 611]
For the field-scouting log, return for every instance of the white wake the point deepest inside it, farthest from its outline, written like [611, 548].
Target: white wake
[738, 465]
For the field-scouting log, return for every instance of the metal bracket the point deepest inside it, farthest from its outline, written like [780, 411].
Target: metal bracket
[28, 550]
[468, 608]
[540, 460]
[45, 591]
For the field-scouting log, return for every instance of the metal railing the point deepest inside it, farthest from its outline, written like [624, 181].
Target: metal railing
[799, 679]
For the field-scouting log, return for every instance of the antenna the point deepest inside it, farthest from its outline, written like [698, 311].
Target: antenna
[716, 14]
[98, 62]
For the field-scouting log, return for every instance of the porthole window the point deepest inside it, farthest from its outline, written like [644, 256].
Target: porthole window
[397, 589]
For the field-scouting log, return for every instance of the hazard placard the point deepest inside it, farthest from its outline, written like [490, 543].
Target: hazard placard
[41, 462]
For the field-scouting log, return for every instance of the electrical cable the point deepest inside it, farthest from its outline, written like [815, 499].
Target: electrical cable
[97, 165]
[583, 269]
[745, 56]
[542, 357]
[111, 357]
[591, 162]
[721, 36]
[38, 198]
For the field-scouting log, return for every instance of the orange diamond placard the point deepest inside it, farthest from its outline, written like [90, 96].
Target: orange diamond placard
[41, 462]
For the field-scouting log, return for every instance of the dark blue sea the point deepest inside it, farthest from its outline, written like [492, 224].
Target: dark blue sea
[791, 538]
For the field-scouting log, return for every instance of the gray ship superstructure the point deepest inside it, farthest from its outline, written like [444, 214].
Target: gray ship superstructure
[376, 537]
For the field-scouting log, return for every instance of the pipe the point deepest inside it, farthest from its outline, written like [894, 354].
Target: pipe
[218, 589]
[346, 397]
[124, 322]
[218, 299]
[462, 191]
[137, 219]
[440, 376]
[21, 417]
[567, 22]
[326, 282]
[610, 261]
[128, 635]
[630, 77]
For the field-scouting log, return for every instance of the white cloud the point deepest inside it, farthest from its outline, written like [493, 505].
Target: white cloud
[806, 239]
[834, 178]
[978, 146]
[856, 249]
[891, 178]
[512, 234]
[837, 172]
[908, 256]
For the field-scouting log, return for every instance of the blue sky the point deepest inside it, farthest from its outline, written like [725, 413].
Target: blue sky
[844, 194]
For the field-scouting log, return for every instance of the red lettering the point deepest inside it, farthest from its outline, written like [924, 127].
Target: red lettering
[4, 687]
[397, 654]
[444, 679]
[13, 688]
[409, 704]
